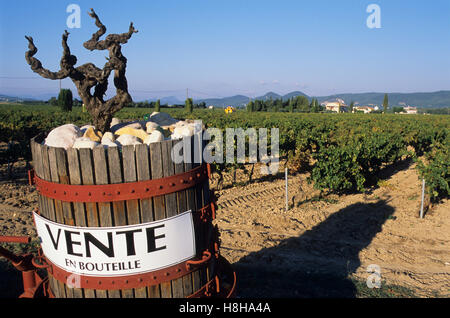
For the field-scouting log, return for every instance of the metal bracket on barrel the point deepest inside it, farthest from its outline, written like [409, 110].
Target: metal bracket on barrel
[33, 284]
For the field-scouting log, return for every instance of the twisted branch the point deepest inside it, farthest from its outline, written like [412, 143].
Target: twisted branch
[87, 76]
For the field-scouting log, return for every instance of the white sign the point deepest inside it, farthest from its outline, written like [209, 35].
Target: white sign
[118, 251]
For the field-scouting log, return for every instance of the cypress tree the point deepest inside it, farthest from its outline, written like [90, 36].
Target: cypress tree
[189, 105]
[65, 100]
[315, 105]
[158, 106]
[250, 107]
[385, 103]
[291, 105]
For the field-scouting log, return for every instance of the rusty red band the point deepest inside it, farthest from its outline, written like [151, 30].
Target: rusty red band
[121, 282]
[122, 191]
[15, 239]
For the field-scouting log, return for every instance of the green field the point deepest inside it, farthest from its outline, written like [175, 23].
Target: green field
[343, 152]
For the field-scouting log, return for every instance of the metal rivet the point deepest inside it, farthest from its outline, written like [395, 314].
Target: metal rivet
[118, 192]
[160, 186]
[132, 191]
[147, 189]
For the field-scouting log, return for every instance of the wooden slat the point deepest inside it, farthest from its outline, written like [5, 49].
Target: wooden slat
[115, 176]
[130, 175]
[48, 203]
[133, 217]
[143, 173]
[75, 178]
[63, 175]
[37, 165]
[206, 195]
[79, 210]
[86, 165]
[36, 151]
[191, 205]
[87, 176]
[182, 207]
[101, 177]
[104, 208]
[168, 170]
[118, 208]
[59, 215]
[199, 277]
[159, 205]
[146, 207]
[64, 178]
[171, 206]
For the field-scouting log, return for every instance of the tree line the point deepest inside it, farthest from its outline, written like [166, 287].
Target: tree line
[66, 101]
[157, 104]
[295, 104]
[299, 104]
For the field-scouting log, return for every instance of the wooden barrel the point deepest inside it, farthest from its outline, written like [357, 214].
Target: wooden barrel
[122, 165]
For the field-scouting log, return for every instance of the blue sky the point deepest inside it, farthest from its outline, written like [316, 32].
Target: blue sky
[222, 48]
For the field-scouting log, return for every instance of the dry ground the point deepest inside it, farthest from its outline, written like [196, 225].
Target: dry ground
[321, 246]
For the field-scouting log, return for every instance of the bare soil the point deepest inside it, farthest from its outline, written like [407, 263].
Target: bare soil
[321, 247]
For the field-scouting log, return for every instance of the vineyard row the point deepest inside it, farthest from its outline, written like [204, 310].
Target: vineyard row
[344, 152]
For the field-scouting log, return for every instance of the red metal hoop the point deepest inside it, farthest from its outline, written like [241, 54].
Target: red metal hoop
[123, 282]
[122, 191]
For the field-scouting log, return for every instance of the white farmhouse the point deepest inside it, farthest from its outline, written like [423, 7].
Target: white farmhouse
[410, 110]
[365, 109]
[337, 106]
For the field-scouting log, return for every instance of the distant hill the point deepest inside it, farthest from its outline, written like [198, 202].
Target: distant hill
[241, 100]
[294, 94]
[284, 97]
[422, 100]
[439, 99]
[170, 100]
[236, 101]
[11, 99]
[268, 96]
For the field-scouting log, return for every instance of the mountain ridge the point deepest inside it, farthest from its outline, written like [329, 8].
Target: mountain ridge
[437, 99]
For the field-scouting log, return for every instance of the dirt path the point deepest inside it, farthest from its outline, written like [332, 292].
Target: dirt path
[281, 253]
[319, 245]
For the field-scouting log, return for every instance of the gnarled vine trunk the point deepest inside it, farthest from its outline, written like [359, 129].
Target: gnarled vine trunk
[88, 76]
